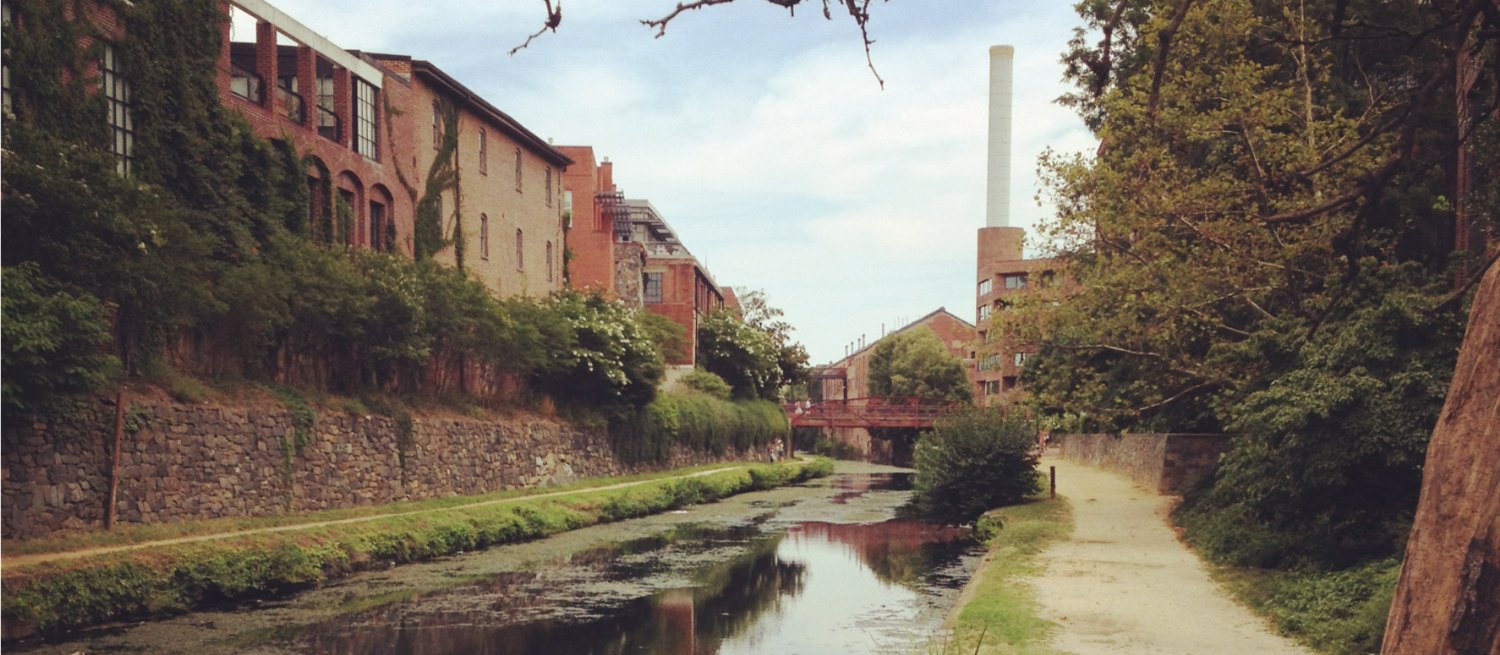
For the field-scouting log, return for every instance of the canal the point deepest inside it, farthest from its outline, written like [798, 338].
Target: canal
[831, 566]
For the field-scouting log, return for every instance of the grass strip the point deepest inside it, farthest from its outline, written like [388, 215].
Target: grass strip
[130, 534]
[55, 597]
[1000, 613]
[1335, 612]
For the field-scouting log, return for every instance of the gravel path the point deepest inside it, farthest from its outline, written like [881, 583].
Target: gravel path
[1123, 583]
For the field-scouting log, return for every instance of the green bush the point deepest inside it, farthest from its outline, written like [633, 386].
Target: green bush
[52, 340]
[975, 460]
[708, 383]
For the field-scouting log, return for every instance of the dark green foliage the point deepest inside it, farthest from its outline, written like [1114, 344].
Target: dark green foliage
[699, 422]
[1327, 461]
[669, 337]
[751, 349]
[53, 340]
[975, 460]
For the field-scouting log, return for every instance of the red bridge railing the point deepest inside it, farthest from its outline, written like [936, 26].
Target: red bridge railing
[867, 413]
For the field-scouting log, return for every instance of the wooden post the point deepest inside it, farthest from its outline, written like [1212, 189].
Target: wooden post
[114, 464]
[1052, 475]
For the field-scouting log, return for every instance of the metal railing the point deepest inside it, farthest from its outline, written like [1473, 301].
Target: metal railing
[290, 104]
[245, 83]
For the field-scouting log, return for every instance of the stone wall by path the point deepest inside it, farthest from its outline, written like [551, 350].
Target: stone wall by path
[181, 462]
[1168, 463]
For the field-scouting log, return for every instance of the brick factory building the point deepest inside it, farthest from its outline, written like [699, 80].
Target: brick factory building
[673, 282]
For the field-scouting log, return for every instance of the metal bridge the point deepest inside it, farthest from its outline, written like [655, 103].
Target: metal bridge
[867, 413]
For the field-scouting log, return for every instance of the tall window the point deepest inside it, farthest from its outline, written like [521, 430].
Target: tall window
[484, 152]
[366, 137]
[5, 67]
[484, 236]
[520, 253]
[549, 261]
[518, 169]
[985, 286]
[651, 288]
[437, 126]
[1019, 359]
[377, 225]
[117, 96]
[549, 186]
[984, 312]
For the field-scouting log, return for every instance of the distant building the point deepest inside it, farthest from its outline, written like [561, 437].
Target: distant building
[673, 282]
[1003, 277]
[588, 199]
[849, 378]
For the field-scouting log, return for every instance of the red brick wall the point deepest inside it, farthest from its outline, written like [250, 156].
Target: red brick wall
[591, 237]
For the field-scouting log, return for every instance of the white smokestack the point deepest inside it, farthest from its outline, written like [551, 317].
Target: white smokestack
[997, 211]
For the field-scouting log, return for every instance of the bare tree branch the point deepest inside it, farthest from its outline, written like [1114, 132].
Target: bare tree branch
[554, 18]
[1164, 44]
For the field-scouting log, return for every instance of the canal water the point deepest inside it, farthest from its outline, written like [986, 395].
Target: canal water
[829, 567]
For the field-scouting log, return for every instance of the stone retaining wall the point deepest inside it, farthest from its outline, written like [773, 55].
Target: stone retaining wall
[1168, 463]
[181, 462]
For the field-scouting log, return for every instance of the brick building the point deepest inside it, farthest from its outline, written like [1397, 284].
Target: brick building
[849, 378]
[507, 194]
[673, 282]
[1004, 275]
[291, 83]
[588, 198]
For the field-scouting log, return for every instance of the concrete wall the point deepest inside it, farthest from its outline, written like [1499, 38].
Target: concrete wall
[186, 462]
[1167, 463]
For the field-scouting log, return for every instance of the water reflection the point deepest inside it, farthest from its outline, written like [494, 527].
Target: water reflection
[819, 587]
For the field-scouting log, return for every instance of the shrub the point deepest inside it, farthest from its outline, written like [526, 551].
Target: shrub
[975, 460]
[708, 383]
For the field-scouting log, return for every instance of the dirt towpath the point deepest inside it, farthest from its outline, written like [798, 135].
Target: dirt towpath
[1123, 583]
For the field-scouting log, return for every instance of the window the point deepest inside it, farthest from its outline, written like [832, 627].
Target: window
[377, 225]
[548, 187]
[366, 136]
[345, 217]
[484, 236]
[484, 152]
[1019, 359]
[549, 261]
[985, 286]
[1015, 281]
[568, 203]
[1049, 278]
[992, 388]
[520, 253]
[117, 97]
[984, 312]
[651, 288]
[5, 68]
[518, 169]
[437, 126]
[989, 363]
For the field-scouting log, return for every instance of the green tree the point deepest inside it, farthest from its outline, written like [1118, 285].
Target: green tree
[914, 364]
[1259, 242]
[744, 356]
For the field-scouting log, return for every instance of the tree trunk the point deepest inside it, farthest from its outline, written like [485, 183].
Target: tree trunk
[1448, 598]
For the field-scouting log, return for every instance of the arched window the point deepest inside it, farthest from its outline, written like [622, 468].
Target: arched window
[484, 152]
[484, 236]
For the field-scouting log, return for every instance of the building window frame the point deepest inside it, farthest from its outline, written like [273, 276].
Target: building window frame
[484, 236]
[1019, 358]
[1014, 281]
[550, 261]
[984, 312]
[117, 95]
[484, 152]
[437, 126]
[651, 288]
[518, 170]
[366, 120]
[520, 250]
[986, 285]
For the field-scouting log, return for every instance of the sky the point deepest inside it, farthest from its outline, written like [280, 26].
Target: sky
[764, 139]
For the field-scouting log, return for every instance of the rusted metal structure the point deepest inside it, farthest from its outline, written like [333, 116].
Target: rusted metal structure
[868, 413]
